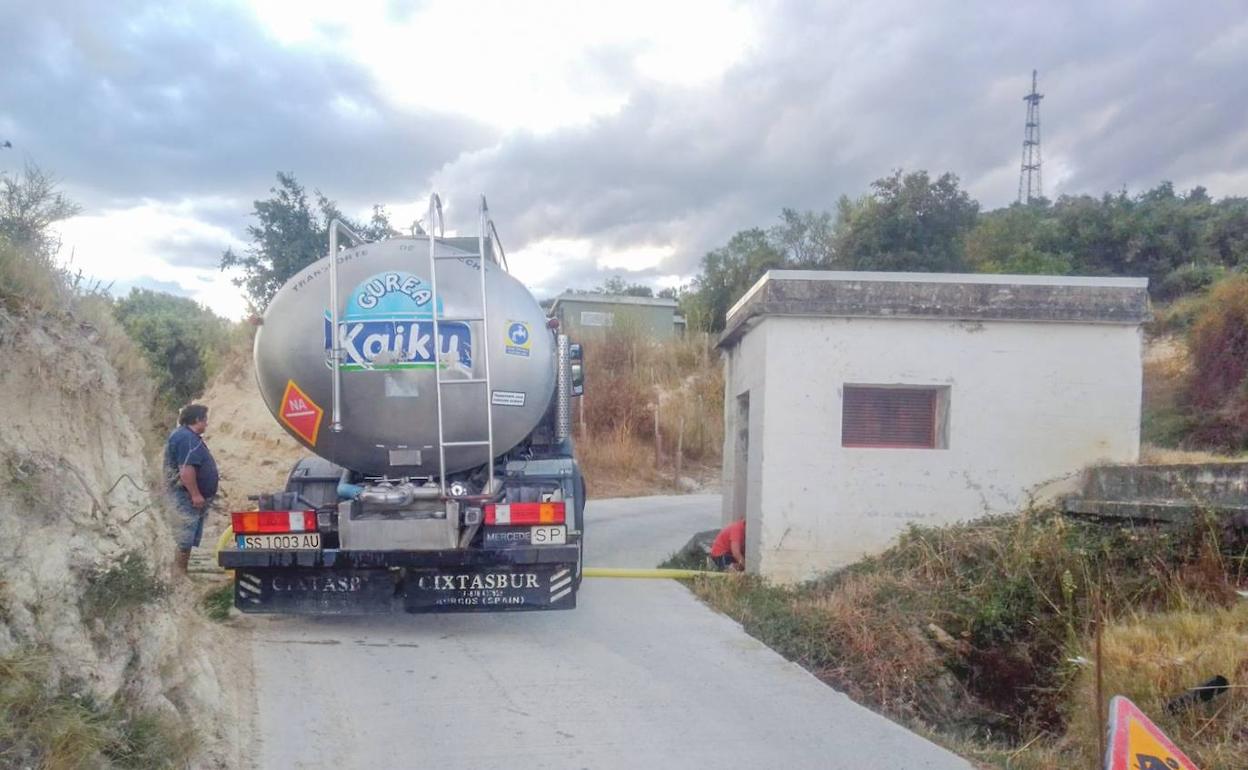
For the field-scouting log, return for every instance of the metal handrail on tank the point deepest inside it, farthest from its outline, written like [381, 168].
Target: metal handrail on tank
[485, 336]
[500, 258]
[336, 226]
[437, 229]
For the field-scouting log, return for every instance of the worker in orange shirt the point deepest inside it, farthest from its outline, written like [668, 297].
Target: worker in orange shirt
[728, 550]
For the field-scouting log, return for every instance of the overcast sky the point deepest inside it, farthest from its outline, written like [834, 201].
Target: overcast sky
[610, 138]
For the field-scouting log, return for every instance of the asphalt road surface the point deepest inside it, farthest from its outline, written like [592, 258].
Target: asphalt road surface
[640, 675]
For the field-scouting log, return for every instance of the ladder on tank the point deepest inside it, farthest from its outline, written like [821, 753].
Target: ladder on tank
[436, 230]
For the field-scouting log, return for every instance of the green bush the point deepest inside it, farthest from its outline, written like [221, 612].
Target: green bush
[1188, 279]
[218, 602]
[126, 584]
[181, 340]
[1217, 393]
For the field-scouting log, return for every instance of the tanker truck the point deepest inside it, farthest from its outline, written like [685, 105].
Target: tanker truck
[434, 396]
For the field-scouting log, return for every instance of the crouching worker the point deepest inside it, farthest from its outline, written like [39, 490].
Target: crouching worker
[192, 477]
[728, 550]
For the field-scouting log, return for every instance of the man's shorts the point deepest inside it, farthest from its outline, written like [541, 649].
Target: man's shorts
[724, 561]
[188, 525]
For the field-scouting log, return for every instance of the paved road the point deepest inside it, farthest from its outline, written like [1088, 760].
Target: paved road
[640, 675]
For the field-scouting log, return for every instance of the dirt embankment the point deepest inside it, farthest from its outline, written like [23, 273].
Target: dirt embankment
[252, 451]
[86, 598]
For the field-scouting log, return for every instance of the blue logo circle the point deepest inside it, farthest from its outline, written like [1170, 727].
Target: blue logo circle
[518, 334]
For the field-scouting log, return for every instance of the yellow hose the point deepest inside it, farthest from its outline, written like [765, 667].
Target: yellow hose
[597, 572]
[658, 574]
[226, 536]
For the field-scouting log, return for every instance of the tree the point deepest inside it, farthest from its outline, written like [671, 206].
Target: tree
[906, 222]
[29, 205]
[1022, 238]
[291, 234]
[805, 238]
[727, 273]
[618, 286]
[179, 338]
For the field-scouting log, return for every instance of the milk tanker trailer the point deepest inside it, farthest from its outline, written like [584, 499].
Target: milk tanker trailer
[443, 478]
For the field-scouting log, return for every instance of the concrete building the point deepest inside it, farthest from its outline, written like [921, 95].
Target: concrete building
[859, 403]
[586, 314]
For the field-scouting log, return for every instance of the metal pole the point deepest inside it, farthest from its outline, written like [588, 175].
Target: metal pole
[335, 420]
[437, 228]
[486, 340]
[1100, 680]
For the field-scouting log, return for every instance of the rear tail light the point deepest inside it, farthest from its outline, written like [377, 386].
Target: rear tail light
[269, 522]
[524, 513]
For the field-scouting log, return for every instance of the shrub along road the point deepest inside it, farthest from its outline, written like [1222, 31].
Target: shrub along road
[641, 674]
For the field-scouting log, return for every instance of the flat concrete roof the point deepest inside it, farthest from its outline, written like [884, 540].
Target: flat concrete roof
[940, 296]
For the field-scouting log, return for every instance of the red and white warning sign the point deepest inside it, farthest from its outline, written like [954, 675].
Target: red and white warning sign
[1135, 743]
[300, 413]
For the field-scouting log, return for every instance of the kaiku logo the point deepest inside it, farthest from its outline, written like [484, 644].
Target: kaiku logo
[388, 324]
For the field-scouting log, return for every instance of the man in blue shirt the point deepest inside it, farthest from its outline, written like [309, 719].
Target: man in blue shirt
[192, 476]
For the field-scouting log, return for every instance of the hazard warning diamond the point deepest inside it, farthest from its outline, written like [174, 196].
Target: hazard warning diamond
[300, 413]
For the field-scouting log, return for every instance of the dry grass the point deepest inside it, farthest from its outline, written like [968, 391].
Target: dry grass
[1151, 658]
[974, 634]
[58, 726]
[623, 448]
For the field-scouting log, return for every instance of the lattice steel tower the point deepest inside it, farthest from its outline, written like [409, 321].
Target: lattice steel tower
[1030, 184]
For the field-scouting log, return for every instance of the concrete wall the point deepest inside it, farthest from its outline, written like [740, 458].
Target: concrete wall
[1030, 404]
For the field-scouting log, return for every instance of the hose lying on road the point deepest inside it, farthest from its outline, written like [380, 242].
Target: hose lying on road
[661, 574]
[594, 572]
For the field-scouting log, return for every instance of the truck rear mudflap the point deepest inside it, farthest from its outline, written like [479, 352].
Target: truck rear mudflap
[359, 582]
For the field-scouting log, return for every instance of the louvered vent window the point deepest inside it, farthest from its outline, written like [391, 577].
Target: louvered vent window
[894, 416]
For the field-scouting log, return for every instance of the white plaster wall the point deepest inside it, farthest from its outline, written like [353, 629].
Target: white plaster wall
[1030, 404]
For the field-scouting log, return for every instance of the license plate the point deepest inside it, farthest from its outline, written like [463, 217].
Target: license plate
[302, 541]
[547, 535]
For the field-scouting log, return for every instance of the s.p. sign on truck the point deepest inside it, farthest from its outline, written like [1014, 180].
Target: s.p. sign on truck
[436, 396]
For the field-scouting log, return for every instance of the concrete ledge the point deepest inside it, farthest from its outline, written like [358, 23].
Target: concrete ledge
[970, 297]
[1215, 484]
[1160, 511]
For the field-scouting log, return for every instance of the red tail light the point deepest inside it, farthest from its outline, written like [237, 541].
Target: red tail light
[267, 522]
[524, 513]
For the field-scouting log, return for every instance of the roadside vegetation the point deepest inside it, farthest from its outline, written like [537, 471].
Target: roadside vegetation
[652, 412]
[127, 583]
[1196, 373]
[78, 615]
[217, 602]
[1182, 242]
[182, 341]
[981, 635]
[61, 726]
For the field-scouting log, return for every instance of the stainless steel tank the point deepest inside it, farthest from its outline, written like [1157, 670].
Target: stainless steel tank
[389, 397]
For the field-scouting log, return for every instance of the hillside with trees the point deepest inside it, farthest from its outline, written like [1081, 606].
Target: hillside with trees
[1181, 242]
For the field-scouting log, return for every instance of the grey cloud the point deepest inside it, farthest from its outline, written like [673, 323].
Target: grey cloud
[122, 288]
[136, 101]
[191, 251]
[836, 96]
[142, 101]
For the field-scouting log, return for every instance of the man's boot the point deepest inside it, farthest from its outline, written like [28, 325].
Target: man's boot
[181, 562]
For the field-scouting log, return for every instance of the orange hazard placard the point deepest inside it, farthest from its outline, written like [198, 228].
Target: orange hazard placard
[300, 413]
[1135, 743]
